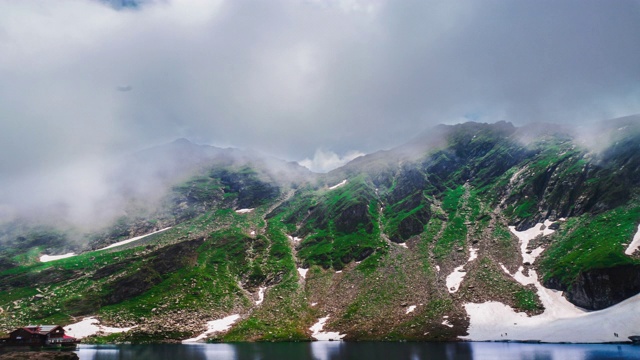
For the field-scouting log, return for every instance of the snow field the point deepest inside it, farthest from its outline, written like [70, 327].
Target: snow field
[342, 183]
[318, 334]
[260, 295]
[635, 243]
[454, 279]
[120, 243]
[560, 322]
[243, 211]
[213, 327]
[90, 326]
[47, 258]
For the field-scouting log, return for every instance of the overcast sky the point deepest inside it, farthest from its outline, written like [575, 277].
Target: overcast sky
[319, 80]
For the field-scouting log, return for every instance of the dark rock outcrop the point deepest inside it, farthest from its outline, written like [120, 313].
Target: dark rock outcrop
[597, 289]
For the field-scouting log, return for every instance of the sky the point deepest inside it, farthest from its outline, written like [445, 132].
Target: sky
[314, 81]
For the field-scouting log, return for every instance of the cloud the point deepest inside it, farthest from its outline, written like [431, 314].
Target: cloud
[326, 160]
[288, 77]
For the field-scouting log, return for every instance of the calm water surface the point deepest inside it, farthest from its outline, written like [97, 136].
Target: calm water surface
[372, 350]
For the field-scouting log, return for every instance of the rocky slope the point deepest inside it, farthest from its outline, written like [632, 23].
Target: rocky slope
[394, 245]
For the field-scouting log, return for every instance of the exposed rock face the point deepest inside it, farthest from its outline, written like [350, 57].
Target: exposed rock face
[600, 288]
[163, 262]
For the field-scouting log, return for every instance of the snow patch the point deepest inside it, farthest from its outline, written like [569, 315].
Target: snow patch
[213, 327]
[338, 272]
[496, 321]
[120, 243]
[303, 272]
[343, 182]
[447, 323]
[293, 238]
[260, 295]
[633, 247]
[561, 321]
[318, 334]
[473, 254]
[516, 174]
[243, 211]
[526, 236]
[410, 309]
[252, 233]
[90, 326]
[47, 258]
[314, 304]
[437, 268]
[454, 279]
[404, 245]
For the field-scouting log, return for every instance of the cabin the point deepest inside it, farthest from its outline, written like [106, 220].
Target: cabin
[40, 335]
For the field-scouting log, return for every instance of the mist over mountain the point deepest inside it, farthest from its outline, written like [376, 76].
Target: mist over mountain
[424, 241]
[85, 81]
[321, 169]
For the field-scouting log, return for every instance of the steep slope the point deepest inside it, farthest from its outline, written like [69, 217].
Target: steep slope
[408, 243]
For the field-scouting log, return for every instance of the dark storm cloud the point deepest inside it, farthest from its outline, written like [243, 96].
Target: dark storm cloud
[298, 79]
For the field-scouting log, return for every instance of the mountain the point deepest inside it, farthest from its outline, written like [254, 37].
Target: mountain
[458, 234]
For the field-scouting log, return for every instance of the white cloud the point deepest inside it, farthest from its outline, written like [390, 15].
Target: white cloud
[326, 160]
[292, 76]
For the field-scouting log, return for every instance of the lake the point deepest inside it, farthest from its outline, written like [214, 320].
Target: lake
[362, 350]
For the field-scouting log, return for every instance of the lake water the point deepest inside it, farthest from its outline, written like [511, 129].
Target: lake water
[362, 350]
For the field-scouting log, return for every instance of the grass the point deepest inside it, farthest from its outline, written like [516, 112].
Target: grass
[455, 231]
[494, 283]
[427, 238]
[590, 242]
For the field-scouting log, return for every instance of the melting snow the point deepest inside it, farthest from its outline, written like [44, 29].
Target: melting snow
[120, 243]
[516, 174]
[90, 326]
[318, 334]
[447, 323]
[47, 258]
[243, 211]
[473, 254]
[633, 247]
[343, 182]
[213, 327]
[561, 321]
[493, 320]
[260, 295]
[410, 309]
[530, 234]
[303, 272]
[454, 279]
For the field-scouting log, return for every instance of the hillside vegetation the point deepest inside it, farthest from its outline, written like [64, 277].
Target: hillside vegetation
[380, 239]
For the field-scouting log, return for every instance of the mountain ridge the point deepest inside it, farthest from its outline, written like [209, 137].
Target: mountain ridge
[393, 245]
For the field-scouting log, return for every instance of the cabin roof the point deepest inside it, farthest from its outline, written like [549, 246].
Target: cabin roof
[41, 329]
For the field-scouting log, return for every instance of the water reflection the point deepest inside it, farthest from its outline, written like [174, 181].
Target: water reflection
[373, 350]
